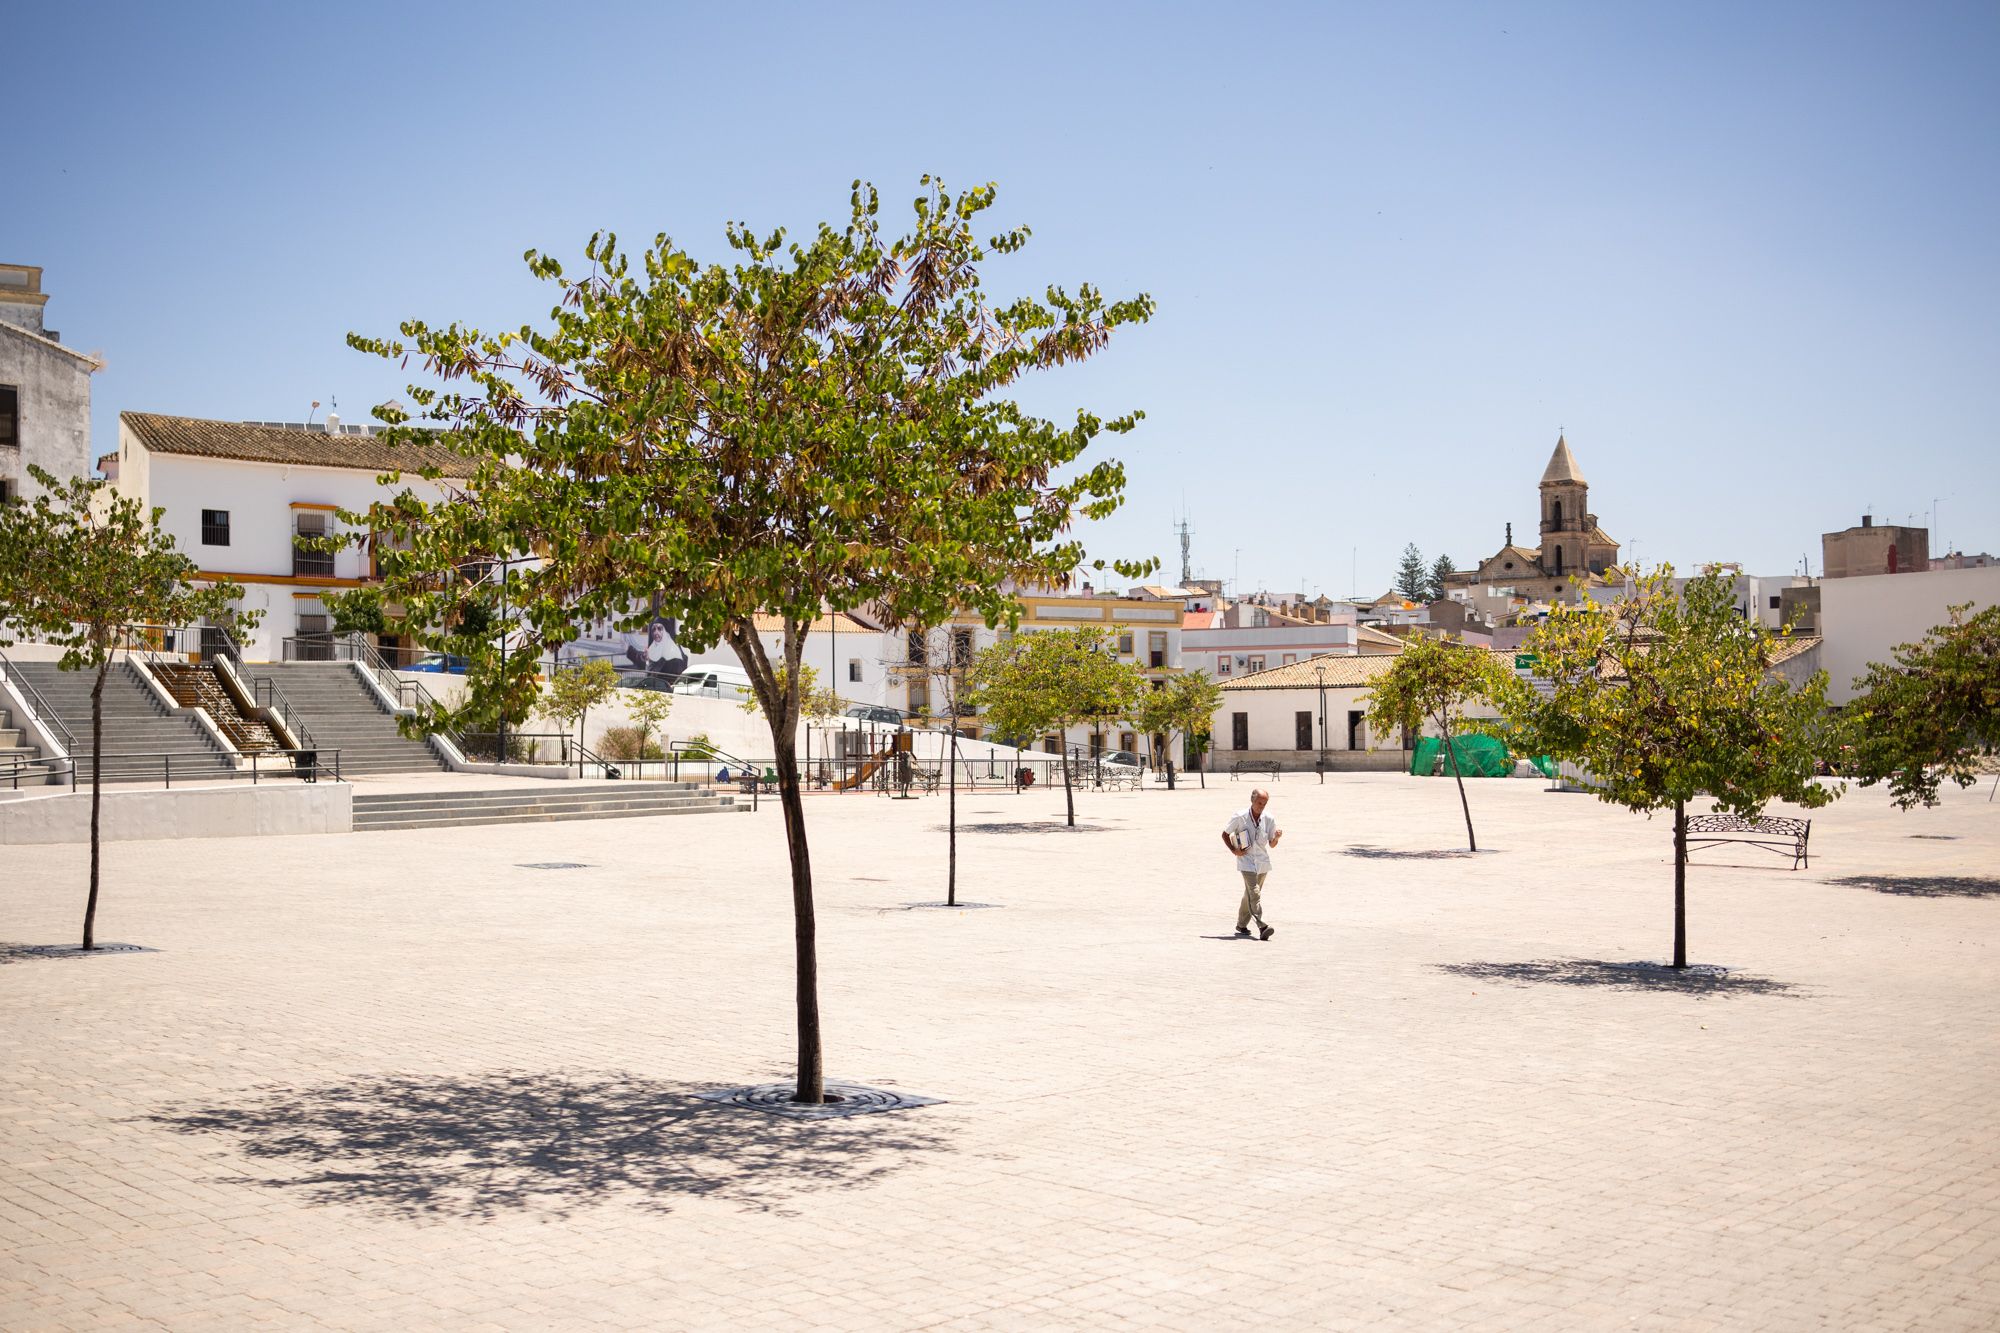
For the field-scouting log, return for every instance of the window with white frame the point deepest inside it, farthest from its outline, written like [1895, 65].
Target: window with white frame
[854, 669]
[1222, 664]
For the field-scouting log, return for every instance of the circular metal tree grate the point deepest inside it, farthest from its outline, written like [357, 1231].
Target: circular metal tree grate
[21, 953]
[843, 1100]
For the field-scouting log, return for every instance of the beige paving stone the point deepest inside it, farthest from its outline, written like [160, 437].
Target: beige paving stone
[398, 1080]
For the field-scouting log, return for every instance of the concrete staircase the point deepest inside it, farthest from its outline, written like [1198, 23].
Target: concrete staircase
[196, 685]
[14, 747]
[136, 723]
[519, 805]
[344, 714]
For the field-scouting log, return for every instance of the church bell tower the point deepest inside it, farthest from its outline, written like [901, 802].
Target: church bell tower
[1566, 518]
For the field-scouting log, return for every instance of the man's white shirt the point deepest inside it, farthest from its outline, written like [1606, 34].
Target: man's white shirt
[1256, 859]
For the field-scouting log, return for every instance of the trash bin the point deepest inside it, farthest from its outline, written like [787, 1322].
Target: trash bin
[305, 763]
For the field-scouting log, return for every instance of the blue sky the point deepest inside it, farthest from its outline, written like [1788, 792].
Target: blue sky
[1745, 255]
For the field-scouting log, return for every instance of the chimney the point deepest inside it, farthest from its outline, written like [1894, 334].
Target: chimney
[333, 423]
[1867, 520]
[22, 298]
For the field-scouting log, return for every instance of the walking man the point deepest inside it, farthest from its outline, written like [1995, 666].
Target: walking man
[1250, 835]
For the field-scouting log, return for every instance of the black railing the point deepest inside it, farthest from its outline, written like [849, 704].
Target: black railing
[45, 716]
[307, 765]
[266, 694]
[311, 564]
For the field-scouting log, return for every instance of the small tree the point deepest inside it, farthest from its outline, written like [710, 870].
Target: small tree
[1185, 704]
[78, 565]
[1434, 589]
[1665, 699]
[1434, 680]
[810, 427]
[946, 657]
[574, 691]
[1413, 577]
[1052, 680]
[648, 709]
[1930, 715]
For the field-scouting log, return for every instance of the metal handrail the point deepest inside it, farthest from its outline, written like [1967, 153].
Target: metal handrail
[45, 716]
[207, 766]
[282, 707]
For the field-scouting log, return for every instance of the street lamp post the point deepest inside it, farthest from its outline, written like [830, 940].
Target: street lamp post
[1320, 671]
[505, 562]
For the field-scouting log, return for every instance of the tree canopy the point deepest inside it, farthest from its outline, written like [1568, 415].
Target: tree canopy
[1667, 699]
[1434, 680]
[77, 566]
[815, 425]
[1928, 716]
[1184, 705]
[1050, 680]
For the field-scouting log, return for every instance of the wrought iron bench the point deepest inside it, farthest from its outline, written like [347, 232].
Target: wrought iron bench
[1774, 833]
[1267, 767]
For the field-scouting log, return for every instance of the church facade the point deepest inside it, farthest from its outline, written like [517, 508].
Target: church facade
[1572, 554]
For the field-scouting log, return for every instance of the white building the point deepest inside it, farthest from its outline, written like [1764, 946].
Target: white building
[849, 654]
[1757, 596]
[1226, 653]
[239, 497]
[1863, 619]
[1288, 715]
[44, 390]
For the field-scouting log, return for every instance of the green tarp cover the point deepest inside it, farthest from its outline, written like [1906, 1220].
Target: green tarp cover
[1477, 757]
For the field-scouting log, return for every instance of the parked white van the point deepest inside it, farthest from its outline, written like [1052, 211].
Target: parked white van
[714, 679]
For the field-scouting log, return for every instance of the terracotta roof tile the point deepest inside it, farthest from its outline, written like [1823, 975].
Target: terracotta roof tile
[1341, 671]
[276, 444]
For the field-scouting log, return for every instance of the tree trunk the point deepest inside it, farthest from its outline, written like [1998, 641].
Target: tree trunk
[1451, 757]
[1069, 796]
[811, 1086]
[951, 860]
[96, 799]
[1680, 884]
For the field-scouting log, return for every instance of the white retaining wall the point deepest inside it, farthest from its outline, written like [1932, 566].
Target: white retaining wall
[241, 811]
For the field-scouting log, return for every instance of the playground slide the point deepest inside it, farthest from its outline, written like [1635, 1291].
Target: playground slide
[869, 768]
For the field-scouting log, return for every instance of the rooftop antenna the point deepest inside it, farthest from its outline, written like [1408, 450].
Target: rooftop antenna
[1187, 536]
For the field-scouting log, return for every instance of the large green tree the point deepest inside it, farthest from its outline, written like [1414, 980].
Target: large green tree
[1048, 681]
[1666, 699]
[812, 426]
[1413, 576]
[79, 565]
[1930, 715]
[1435, 680]
[1434, 586]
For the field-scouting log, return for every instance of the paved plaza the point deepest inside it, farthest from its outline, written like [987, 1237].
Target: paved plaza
[403, 1080]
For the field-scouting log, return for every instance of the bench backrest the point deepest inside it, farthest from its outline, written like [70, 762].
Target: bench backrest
[1796, 828]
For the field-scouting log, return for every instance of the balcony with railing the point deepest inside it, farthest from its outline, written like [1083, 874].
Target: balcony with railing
[309, 562]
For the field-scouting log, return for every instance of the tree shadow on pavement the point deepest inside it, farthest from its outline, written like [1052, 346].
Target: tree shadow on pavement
[1022, 826]
[1925, 886]
[1396, 854]
[478, 1146]
[1700, 980]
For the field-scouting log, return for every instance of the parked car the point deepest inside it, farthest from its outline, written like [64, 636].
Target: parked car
[877, 713]
[714, 678]
[647, 680]
[1122, 757]
[444, 664]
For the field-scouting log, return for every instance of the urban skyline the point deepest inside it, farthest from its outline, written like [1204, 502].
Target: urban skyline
[1741, 260]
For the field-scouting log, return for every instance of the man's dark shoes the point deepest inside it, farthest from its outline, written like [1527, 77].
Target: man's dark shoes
[1267, 932]
[1243, 932]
